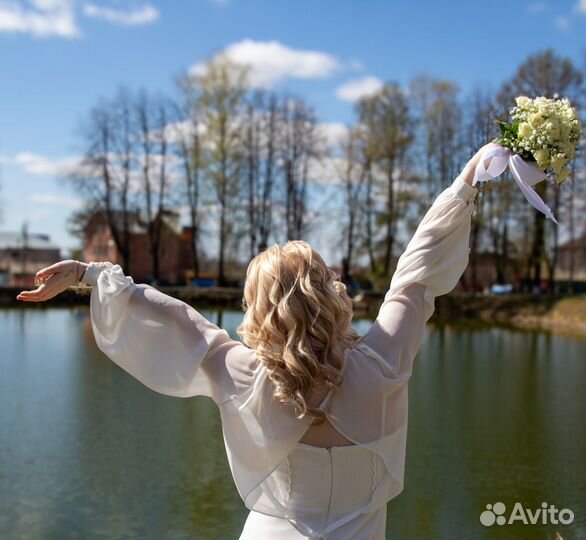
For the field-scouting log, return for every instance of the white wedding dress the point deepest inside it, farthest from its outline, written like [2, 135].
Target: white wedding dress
[296, 491]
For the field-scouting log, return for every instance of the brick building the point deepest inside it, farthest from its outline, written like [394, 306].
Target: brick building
[22, 255]
[175, 255]
[572, 254]
[486, 273]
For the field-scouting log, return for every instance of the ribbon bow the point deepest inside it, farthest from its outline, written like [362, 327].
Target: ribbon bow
[525, 174]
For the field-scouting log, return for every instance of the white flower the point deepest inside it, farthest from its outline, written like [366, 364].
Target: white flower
[557, 163]
[536, 120]
[562, 175]
[542, 157]
[525, 130]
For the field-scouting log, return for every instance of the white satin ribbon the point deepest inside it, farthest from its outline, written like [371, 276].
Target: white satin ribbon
[525, 174]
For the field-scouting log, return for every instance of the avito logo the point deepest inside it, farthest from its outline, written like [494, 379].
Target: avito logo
[547, 514]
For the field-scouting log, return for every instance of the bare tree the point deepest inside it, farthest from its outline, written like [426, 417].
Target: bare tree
[222, 89]
[103, 175]
[390, 128]
[123, 151]
[479, 108]
[575, 192]
[151, 119]
[188, 145]
[355, 171]
[365, 110]
[261, 144]
[490, 215]
[264, 216]
[439, 129]
[253, 160]
[299, 146]
[162, 119]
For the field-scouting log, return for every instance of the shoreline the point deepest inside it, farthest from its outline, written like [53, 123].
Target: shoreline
[564, 315]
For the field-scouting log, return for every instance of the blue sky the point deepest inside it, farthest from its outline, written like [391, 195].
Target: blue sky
[59, 56]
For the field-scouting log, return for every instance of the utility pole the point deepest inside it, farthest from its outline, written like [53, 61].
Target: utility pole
[24, 249]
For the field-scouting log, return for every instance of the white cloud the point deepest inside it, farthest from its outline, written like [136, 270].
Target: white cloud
[536, 7]
[355, 65]
[580, 7]
[140, 15]
[57, 18]
[58, 200]
[335, 133]
[327, 171]
[182, 130]
[41, 18]
[562, 23]
[358, 88]
[40, 165]
[272, 62]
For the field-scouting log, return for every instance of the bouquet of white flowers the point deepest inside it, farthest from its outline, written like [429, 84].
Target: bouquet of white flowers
[540, 141]
[544, 131]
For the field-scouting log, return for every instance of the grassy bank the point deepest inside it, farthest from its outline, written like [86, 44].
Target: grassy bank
[564, 315]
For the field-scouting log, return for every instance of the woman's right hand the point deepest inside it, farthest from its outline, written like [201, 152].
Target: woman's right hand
[57, 278]
[468, 172]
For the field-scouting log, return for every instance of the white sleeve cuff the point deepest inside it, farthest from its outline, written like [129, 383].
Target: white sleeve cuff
[92, 272]
[464, 190]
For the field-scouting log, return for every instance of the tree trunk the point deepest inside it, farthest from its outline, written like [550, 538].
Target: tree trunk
[538, 244]
[369, 229]
[389, 240]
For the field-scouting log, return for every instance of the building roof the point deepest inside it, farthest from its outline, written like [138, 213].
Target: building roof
[137, 222]
[575, 244]
[16, 240]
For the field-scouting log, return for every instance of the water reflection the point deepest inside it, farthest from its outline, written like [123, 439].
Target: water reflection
[86, 451]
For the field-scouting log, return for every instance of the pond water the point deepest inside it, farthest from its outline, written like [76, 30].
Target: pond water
[87, 452]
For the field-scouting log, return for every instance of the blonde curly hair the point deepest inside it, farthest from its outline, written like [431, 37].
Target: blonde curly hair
[298, 319]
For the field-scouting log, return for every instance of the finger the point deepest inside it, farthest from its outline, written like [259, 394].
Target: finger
[42, 299]
[34, 291]
[32, 295]
[35, 298]
[29, 297]
[26, 299]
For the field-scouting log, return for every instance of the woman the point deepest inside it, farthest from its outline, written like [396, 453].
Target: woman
[314, 417]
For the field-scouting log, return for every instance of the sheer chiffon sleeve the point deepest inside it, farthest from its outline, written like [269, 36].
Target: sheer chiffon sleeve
[174, 350]
[163, 342]
[431, 265]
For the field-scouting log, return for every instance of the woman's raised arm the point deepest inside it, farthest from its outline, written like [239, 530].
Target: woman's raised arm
[431, 265]
[163, 342]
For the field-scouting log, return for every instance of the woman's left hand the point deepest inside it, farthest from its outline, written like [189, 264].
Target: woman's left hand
[57, 278]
